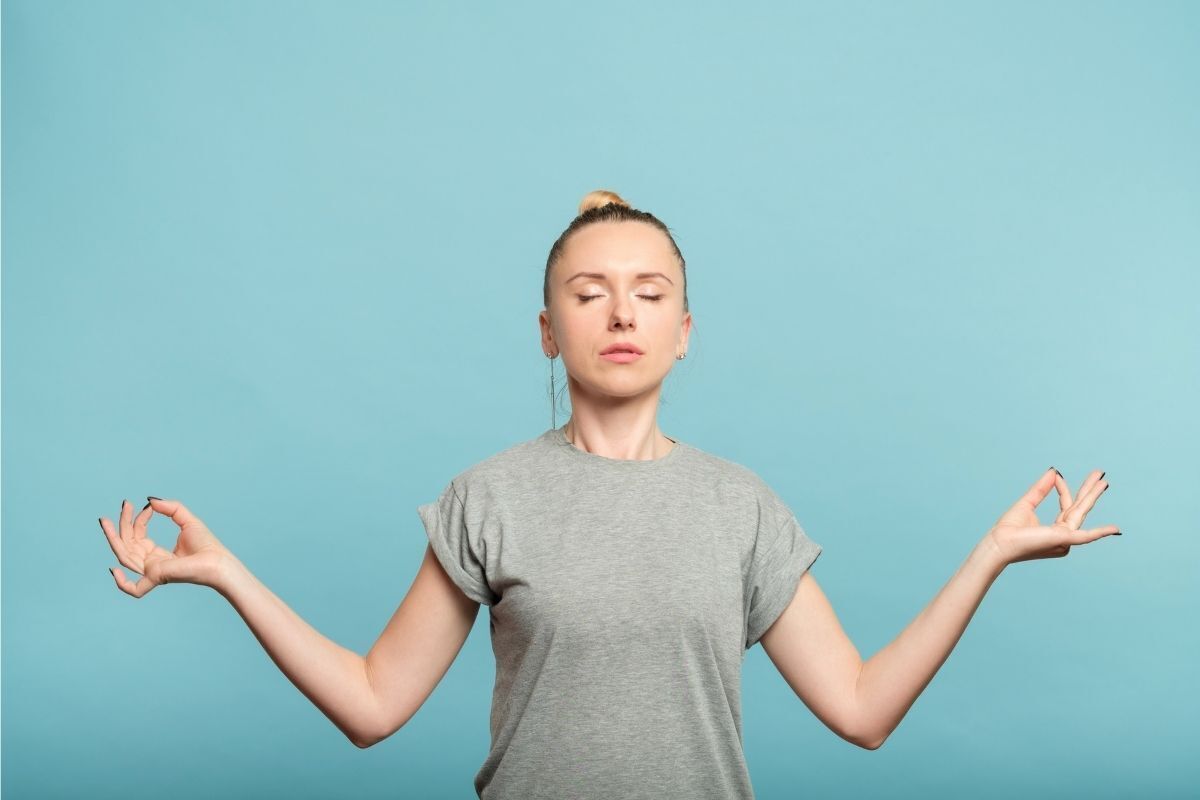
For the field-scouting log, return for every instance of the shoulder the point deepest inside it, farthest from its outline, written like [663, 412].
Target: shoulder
[498, 473]
[738, 486]
[729, 477]
[711, 464]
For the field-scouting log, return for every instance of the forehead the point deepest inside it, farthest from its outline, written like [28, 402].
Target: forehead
[618, 248]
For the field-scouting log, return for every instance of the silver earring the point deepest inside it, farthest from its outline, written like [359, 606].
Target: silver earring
[553, 415]
[681, 357]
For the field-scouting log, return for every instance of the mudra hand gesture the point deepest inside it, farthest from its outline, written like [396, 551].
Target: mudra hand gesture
[197, 557]
[1019, 536]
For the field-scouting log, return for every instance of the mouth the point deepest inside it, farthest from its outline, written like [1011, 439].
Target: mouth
[621, 356]
[620, 347]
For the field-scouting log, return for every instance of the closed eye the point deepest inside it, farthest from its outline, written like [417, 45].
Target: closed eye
[583, 298]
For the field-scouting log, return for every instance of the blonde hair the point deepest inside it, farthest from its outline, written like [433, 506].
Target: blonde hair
[605, 205]
[598, 198]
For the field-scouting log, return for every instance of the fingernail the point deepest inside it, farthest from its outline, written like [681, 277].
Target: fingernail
[1056, 470]
[1102, 474]
[110, 572]
[148, 497]
[1116, 533]
[101, 521]
[145, 506]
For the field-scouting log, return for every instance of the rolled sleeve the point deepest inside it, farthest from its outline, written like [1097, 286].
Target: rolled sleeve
[782, 554]
[456, 548]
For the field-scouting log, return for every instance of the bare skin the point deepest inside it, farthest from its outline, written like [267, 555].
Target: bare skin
[864, 702]
[615, 416]
[615, 406]
[367, 698]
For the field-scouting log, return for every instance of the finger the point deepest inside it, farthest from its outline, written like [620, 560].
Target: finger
[174, 509]
[126, 523]
[1084, 536]
[114, 540]
[141, 521]
[1064, 492]
[1038, 491]
[1078, 512]
[1088, 483]
[127, 553]
[127, 586]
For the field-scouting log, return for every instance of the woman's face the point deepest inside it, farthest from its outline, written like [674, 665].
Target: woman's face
[616, 282]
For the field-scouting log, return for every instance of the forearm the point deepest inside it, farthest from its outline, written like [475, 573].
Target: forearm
[891, 680]
[331, 676]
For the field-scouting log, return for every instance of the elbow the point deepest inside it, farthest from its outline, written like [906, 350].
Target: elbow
[363, 742]
[871, 742]
[865, 738]
[363, 739]
[864, 731]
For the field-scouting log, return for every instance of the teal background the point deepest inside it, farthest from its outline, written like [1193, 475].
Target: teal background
[283, 261]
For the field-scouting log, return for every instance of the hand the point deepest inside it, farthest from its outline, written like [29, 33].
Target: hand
[198, 556]
[1019, 536]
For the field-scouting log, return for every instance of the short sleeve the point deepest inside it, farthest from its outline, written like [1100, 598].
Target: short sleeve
[782, 554]
[459, 550]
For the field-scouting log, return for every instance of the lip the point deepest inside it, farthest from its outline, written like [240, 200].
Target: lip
[621, 356]
[621, 346]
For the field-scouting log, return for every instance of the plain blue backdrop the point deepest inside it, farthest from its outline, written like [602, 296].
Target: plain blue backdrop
[283, 261]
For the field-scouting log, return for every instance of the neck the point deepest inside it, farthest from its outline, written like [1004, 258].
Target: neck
[632, 440]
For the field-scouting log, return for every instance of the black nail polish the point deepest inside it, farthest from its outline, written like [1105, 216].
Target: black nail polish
[145, 506]
[1117, 533]
[148, 497]
[1056, 470]
[1102, 474]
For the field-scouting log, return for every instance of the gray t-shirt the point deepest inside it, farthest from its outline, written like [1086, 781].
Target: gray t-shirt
[623, 596]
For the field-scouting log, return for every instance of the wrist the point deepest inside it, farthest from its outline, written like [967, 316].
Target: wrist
[989, 554]
[228, 573]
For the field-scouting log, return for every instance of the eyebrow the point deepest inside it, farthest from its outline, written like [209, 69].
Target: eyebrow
[601, 277]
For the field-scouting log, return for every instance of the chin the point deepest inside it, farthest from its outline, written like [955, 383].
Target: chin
[631, 386]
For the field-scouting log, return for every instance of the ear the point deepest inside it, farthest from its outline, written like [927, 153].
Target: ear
[547, 332]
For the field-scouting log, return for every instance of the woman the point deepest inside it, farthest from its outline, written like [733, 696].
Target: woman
[626, 573]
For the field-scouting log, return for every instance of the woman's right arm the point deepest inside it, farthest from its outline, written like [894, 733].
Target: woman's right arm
[367, 698]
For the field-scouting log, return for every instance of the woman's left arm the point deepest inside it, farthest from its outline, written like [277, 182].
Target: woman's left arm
[812, 653]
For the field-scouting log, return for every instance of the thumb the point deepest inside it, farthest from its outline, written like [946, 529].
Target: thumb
[174, 509]
[1040, 488]
[179, 569]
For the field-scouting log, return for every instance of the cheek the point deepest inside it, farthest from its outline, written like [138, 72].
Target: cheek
[666, 329]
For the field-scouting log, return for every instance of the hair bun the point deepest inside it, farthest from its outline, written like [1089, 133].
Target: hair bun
[600, 197]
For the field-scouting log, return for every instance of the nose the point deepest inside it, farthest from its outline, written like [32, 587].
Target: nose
[622, 315]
